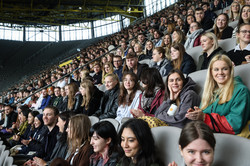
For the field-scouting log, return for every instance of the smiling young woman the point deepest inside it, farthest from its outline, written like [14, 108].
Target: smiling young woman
[196, 144]
[104, 143]
[137, 144]
[225, 101]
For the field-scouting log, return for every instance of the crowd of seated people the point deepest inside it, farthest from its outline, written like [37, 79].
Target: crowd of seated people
[120, 85]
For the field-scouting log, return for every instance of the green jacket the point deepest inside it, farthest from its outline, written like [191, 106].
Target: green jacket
[233, 115]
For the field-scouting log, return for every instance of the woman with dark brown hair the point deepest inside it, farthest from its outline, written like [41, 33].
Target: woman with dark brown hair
[74, 97]
[79, 140]
[221, 28]
[180, 60]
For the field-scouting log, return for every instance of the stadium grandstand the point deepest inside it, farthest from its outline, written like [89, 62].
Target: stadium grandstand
[165, 62]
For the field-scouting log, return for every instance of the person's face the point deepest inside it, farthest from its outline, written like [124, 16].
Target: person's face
[137, 48]
[131, 62]
[60, 124]
[124, 46]
[246, 13]
[63, 93]
[221, 21]
[244, 34]
[190, 11]
[30, 119]
[198, 152]
[37, 122]
[97, 68]
[247, 2]
[106, 68]
[235, 7]
[68, 130]
[117, 62]
[216, 2]
[206, 43]
[166, 40]
[175, 36]
[128, 82]
[199, 15]
[220, 72]
[48, 117]
[110, 83]
[22, 117]
[141, 38]
[149, 45]
[83, 90]
[50, 92]
[174, 53]
[57, 92]
[175, 82]
[67, 90]
[179, 22]
[129, 143]
[99, 144]
[156, 35]
[8, 110]
[205, 7]
[45, 93]
[193, 27]
[156, 56]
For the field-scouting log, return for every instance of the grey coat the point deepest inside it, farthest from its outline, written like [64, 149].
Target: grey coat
[162, 67]
[188, 99]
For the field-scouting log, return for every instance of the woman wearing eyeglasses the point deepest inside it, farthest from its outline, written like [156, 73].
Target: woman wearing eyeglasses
[241, 53]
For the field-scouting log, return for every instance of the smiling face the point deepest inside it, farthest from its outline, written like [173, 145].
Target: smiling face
[175, 82]
[221, 22]
[166, 40]
[128, 82]
[245, 14]
[106, 68]
[60, 124]
[175, 36]
[175, 54]
[37, 122]
[110, 83]
[49, 117]
[220, 72]
[129, 143]
[244, 35]
[99, 144]
[30, 118]
[149, 45]
[198, 153]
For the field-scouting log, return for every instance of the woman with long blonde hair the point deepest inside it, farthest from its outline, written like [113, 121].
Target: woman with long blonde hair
[210, 48]
[225, 102]
[74, 97]
[107, 69]
[91, 97]
[79, 140]
[234, 14]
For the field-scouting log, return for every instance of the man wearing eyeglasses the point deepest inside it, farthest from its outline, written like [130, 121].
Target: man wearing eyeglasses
[117, 62]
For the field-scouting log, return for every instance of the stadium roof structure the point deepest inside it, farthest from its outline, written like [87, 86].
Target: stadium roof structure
[65, 12]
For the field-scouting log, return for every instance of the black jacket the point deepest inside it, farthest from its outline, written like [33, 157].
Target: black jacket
[61, 147]
[204, 60]
[12, 117]
[78, 101]
[94, 103]
[62, 107]
[111, 162]
[109, 104]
